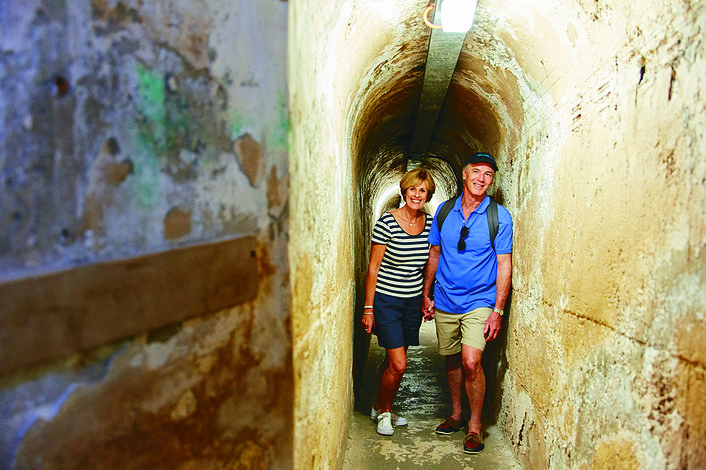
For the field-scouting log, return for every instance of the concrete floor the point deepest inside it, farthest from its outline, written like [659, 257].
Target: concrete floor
[424, 400]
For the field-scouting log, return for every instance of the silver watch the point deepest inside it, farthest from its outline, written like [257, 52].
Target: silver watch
[498, 311]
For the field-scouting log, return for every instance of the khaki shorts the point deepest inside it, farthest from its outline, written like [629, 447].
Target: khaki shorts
[455, 329]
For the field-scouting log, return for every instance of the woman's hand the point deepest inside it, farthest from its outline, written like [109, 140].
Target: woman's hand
[368, 322]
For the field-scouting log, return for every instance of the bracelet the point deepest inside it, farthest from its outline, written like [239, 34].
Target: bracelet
[367, 313]
[368, 306]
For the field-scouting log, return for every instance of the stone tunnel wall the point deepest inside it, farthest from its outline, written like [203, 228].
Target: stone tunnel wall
[606, 331]
[128, 130]
[320, 241]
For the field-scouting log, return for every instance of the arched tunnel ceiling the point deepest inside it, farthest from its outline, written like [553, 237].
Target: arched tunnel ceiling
[482, 111]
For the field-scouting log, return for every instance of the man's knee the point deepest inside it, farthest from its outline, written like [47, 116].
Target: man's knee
[472, 363]
[453, 361]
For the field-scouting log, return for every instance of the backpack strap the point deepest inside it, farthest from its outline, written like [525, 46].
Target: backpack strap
[491, 212]
[493, 224]
[444, 211]
[446, 207]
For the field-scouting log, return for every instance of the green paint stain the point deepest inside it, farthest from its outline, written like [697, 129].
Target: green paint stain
[145, 183]
[145, 189]
[151, 102]
[149, 137]
[278, 132]
[237, 123]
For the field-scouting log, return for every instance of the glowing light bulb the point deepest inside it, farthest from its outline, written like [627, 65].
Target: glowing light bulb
[457, 15]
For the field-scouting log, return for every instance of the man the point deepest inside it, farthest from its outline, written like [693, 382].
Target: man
[471, 287]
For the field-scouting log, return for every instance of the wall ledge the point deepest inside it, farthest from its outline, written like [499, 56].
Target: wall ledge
[54, 315]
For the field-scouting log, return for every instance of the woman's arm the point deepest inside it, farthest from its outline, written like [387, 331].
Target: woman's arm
[377, 251]
[429, 274]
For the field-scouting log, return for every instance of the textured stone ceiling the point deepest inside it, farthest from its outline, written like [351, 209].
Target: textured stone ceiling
[481, 111]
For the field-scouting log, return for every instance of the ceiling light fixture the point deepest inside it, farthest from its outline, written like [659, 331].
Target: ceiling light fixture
[425, 17]
[456, 15]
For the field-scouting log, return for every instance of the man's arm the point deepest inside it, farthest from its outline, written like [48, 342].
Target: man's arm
[429, 273]
[504, 280]
[502, 288]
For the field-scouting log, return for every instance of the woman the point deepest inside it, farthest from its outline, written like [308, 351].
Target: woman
[393, 288]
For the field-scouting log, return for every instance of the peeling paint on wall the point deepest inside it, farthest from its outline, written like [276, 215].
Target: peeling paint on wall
[250, 158]
[177, 223]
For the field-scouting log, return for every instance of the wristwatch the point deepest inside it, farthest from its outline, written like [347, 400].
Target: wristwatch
[498, 311]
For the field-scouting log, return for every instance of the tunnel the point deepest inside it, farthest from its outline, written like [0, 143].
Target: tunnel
[188, 191]
[559, 93]
[479, 110]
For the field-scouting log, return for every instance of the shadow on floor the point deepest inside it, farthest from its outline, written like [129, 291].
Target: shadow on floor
[424, 400]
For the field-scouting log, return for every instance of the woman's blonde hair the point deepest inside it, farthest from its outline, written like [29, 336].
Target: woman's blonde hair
[414, 178]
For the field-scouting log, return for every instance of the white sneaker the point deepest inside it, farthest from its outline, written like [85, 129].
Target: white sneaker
[396, 420]
[385, 424]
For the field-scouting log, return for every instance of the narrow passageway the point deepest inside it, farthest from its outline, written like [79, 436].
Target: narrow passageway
[424, 400]
[594, 113]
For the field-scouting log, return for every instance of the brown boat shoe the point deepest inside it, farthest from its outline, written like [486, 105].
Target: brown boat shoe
[473, 444]
[448, 427]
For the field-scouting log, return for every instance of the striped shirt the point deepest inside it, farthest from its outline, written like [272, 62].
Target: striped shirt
[402, 269]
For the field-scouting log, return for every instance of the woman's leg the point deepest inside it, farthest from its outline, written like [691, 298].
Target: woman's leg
[389, 323]
[409, 322]
[383, 367]
[391, 377]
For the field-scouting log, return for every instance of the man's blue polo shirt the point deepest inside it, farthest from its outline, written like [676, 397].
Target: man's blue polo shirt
[466, 280]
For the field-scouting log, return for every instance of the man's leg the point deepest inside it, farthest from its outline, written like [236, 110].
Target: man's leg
[454, 376]
[475, 385]
[448, 335]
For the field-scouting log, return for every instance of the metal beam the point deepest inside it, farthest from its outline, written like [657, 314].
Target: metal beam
[442, 56]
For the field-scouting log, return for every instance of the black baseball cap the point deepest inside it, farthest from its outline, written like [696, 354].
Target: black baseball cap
[482, 157]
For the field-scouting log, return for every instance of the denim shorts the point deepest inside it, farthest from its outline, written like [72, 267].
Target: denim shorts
[397, 320]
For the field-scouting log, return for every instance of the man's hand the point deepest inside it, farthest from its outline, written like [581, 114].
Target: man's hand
[368, 322]
[492, 326]
[428, 309]
[429, 273]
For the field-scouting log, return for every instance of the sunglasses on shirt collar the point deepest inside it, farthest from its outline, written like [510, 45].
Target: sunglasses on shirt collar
[462, 239]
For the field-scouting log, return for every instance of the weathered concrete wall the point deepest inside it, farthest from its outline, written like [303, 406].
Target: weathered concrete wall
[167, 115]
[607, 330]
[131, 128]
